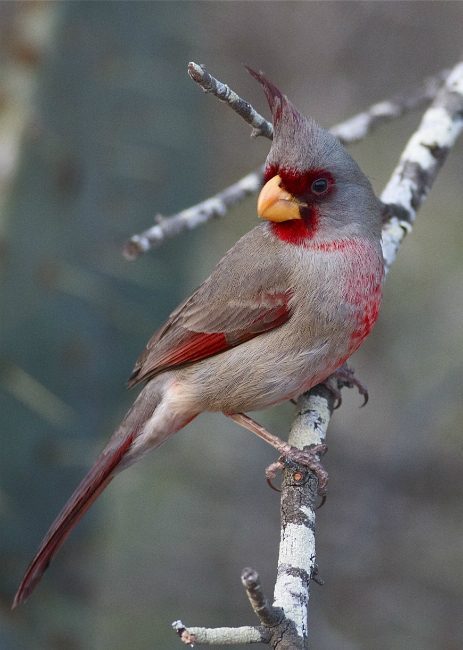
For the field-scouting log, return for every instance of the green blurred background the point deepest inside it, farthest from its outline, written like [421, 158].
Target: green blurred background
[100, 129]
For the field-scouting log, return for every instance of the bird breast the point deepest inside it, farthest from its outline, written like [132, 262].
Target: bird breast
[335, 301]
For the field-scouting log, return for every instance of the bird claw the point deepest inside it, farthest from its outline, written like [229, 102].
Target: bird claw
[344, 377]
[331, 384]
[308, 458]
[272, 470]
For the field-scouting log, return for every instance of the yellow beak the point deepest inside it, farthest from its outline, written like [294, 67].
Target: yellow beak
[275, 204]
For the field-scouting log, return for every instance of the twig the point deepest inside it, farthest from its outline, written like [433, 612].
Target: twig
[210, 84]
[216, 206]
[245, 635]
[268, 614]
[406, 191]
[351, 130]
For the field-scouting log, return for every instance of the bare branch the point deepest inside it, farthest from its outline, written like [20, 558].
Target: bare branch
[265, 612]
[353, 129]
[216, 206]
[359, 126]
[245, 635]
[224, 93]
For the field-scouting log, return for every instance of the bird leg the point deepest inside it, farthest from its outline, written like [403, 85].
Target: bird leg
[344, 376]
[307, 458]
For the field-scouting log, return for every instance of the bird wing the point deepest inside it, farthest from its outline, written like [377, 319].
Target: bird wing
[244, 297]
[195, 333]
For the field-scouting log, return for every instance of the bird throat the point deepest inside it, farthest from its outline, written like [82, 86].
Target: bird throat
[297, 231]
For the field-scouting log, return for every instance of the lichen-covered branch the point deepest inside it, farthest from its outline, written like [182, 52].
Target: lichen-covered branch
[283, 624]
[297, 557]
[421, 161]
[351, 130]
[406, 191]
[245, 635]
[268, 615]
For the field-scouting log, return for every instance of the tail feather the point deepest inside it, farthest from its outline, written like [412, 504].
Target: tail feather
[88, 490]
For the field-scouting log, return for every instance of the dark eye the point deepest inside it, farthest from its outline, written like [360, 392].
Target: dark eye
[319, 186]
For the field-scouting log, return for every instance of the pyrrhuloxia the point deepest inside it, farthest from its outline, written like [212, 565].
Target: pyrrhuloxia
[282, 310]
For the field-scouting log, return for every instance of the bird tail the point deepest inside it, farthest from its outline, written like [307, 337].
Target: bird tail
[113, 459]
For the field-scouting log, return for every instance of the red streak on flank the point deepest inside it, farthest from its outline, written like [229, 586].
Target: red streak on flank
[364, 291]
[368, 319]
[364, 273]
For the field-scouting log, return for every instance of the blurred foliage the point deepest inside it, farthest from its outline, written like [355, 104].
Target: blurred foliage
[112, 131]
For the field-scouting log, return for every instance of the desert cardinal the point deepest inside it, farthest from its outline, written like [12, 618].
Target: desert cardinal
[282, 310]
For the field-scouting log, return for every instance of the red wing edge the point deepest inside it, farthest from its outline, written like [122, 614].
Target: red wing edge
[194, 346]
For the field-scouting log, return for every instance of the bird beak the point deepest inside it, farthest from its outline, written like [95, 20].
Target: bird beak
[275, 204]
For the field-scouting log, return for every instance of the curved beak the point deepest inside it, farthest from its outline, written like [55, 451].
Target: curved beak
[275, 204]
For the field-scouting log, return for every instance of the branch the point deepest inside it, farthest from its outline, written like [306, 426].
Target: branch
[268, 615]
[284, 624]
[297, 557]
[352, 130]
[359, 126]
[406, 191]
[216, 206]
[421, 161]
[245, 635]
[224, 93]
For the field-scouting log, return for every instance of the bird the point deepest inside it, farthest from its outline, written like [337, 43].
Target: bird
[285, 308]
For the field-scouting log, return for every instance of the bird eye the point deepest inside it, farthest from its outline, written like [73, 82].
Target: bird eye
[319, 186]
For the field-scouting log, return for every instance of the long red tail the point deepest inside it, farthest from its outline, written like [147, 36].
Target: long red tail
[88, 490]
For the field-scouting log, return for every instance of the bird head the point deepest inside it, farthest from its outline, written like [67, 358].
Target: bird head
[312, 186]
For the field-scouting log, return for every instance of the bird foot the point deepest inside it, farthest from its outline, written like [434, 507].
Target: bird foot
[344, 377]
[308, 458]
